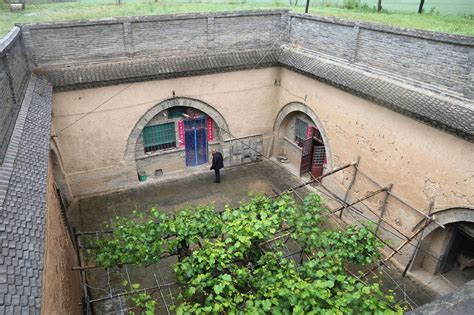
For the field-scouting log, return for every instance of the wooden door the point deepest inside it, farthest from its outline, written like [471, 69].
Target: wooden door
[319, 154]
[306, 156]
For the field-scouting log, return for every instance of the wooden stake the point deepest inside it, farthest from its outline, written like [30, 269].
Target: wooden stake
[383, 207]
[415, 251]
[346, 195]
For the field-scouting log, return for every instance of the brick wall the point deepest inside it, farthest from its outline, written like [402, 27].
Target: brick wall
[442, 60]
[14, 75]
[69, 43]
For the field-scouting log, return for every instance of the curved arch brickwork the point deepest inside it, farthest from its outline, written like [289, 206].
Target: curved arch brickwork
[300, 107]
[179, 101]
[451, 215]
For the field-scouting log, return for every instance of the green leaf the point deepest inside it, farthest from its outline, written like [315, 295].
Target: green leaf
[218, 288]
[135, 286]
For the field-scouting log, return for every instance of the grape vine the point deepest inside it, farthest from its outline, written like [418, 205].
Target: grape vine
[231, 262]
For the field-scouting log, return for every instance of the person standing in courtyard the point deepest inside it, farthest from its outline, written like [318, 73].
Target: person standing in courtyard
[217, 164]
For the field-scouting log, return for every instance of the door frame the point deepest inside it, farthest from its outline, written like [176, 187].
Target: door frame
[194, 121]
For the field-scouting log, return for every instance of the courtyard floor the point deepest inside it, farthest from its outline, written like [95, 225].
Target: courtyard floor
[93, 213]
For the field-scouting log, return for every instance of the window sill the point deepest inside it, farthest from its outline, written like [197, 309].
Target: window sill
[293, 144]
[160, 153]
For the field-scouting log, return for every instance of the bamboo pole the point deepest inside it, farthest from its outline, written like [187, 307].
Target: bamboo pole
[131, 292]
[400, 199]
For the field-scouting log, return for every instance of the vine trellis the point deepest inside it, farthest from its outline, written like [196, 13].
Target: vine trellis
[219, 255]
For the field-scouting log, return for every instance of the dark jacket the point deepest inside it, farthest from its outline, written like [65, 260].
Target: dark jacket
[217, 161]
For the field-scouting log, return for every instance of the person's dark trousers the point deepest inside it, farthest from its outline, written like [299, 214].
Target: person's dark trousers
[217, 174]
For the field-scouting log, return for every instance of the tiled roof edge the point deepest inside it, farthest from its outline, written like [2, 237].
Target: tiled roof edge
[6, 168]
[441, 110]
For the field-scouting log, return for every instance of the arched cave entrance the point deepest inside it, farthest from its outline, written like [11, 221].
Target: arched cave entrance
[173, 135]
[449, 251]
[301, 140]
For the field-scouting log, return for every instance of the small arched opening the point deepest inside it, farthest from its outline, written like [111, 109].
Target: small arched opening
[174, 134]
[301, 140]
[449, 251]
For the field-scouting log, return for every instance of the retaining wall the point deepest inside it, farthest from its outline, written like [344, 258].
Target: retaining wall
[14, 75]
[134, 48]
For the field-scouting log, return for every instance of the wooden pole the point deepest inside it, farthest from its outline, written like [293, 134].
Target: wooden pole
[383, 207]
[317, 179]
[369, 195]
[415, 251]
[307, 6]
[397, 249]
[346, 195]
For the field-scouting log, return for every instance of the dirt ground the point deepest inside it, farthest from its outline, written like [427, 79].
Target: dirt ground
[91, 214]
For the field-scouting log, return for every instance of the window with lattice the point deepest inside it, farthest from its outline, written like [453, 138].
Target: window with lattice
[300, 131]
[319, 155]
[159, 137]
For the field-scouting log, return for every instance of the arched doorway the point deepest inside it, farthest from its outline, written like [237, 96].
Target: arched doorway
[301, 140]
[174, 134]
[449, 251]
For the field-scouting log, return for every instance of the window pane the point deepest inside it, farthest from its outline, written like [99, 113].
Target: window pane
[300, 130]
[159, 135]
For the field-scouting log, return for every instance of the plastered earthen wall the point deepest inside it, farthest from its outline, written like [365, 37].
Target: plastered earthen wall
[93, 148]
[61, 285]
[422, 162]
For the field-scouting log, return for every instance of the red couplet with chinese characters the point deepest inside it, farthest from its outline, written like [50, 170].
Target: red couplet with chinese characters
[210, 132]
[181, 133]
[309, 132]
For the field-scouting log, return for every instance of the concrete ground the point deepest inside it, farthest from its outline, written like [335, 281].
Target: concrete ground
[92, 213]
[236, 183]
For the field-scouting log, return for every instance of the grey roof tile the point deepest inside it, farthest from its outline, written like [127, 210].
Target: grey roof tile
[23, 204]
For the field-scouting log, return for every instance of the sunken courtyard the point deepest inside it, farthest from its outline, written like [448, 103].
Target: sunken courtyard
[108, 127]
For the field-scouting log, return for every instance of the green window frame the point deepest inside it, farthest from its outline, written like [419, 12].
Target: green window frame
[300, 131]
[159, 137]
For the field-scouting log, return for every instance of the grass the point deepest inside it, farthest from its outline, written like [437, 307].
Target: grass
[92, 9]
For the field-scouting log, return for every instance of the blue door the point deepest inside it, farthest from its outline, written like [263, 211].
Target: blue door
[195, 134]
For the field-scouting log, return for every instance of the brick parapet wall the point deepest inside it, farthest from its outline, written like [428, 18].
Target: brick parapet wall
[438, 66]
[439, 59]
[14, 75]
[175, 35]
